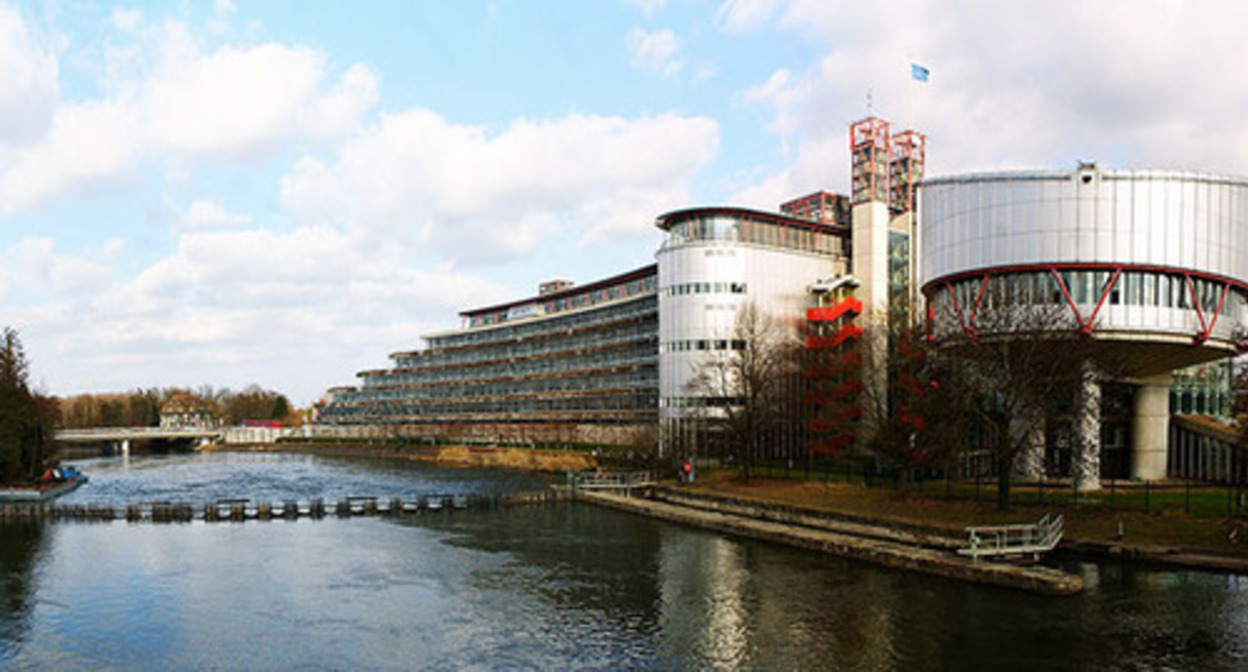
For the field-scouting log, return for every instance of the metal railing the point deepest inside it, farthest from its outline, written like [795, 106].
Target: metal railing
[1007, 540]
[612, 480]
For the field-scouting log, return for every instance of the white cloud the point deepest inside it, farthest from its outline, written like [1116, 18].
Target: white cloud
[89, 146]
[234, 102]
[126, 20]
[338, 112]
[212, 215]
[305, 308]
[654, 52]
[476, 196]
[1128, 83]
[648, 7]
[746, 15]
[164, 98]
[240, 103]
[33, 270]
[29, 87]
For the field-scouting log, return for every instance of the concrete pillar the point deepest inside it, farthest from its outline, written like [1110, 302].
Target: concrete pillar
[125, 447]
[869, 239]
[1150, 428]
[1030, 464]
[1087, 462]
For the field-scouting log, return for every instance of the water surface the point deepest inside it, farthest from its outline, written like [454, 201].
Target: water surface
[553, 587]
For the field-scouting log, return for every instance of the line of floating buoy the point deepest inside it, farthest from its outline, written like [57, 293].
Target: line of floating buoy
[225, 510]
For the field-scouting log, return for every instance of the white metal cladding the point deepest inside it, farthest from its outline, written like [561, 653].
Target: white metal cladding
[1174, 220]
[774, 279]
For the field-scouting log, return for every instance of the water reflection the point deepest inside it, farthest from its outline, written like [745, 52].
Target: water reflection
[551, 587]
[20, 544]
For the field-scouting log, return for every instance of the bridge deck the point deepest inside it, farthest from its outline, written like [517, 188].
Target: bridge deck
[97, 434]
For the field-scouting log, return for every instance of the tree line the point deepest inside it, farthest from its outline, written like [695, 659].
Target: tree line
[29, 419]
[141, 407]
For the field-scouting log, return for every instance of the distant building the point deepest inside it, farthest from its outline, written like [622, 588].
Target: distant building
[184, 411]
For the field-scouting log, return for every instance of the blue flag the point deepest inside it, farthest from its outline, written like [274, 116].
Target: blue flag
[919, 72]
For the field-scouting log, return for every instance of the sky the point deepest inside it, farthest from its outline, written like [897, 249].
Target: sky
[284, 192]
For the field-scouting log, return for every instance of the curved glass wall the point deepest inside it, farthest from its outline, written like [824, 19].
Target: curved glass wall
[1172, 301]
[744, 227]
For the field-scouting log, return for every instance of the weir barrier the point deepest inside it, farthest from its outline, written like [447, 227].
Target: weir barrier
[240, 509]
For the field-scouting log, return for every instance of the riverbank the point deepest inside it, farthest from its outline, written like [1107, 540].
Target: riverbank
[495, 457]
[880, 545]
[1165, 537]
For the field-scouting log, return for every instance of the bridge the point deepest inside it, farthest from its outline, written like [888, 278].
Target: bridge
[120, 437]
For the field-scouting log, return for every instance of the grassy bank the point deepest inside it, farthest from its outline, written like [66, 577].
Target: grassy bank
[1172, 519]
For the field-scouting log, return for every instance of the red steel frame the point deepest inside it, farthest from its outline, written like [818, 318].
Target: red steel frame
[870, 135]
[1086, 326]
[908, 144]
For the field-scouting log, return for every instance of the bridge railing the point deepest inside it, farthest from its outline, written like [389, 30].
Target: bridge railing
[134, 432]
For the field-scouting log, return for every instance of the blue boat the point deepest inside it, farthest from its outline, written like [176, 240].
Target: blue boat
[54, 483]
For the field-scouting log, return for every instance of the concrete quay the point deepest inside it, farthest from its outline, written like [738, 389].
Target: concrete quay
[898, 549]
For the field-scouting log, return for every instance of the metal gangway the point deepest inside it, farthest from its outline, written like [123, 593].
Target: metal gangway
[626, 481]
[1001, 541]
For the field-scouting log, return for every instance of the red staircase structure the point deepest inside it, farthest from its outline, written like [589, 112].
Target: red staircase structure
[832, 376]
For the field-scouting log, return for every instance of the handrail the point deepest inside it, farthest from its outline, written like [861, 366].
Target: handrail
[1023, 539]
[611, 480]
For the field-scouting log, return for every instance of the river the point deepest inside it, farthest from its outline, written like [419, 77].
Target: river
[560, 586]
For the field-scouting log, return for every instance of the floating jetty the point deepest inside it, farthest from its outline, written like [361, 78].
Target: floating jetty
[239, 510]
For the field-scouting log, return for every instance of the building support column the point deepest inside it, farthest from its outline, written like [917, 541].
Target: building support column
[1150, 428]
[1030, 463]
[1087, 462]
[125, 447]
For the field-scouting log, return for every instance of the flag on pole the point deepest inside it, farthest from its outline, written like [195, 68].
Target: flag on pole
[919, 72]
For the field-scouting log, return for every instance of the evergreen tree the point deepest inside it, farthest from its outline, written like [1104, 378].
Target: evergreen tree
[26, 419]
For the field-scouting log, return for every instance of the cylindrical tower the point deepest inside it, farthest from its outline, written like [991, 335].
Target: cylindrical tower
[713, 263]
[1153, 264]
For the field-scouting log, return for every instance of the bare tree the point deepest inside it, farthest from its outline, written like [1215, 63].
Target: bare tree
[1018, 372]
[904, 420]
[751, 386]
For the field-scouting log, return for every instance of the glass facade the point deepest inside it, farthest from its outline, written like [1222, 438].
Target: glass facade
[1168, 302]
[753, 229]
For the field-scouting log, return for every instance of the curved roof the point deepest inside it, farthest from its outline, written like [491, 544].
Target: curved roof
[1102, 173]
[665, 221]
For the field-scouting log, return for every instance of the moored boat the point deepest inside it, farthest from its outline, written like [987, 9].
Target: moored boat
[54, 483]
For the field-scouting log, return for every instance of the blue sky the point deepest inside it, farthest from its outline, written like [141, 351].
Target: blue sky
[283, 192]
